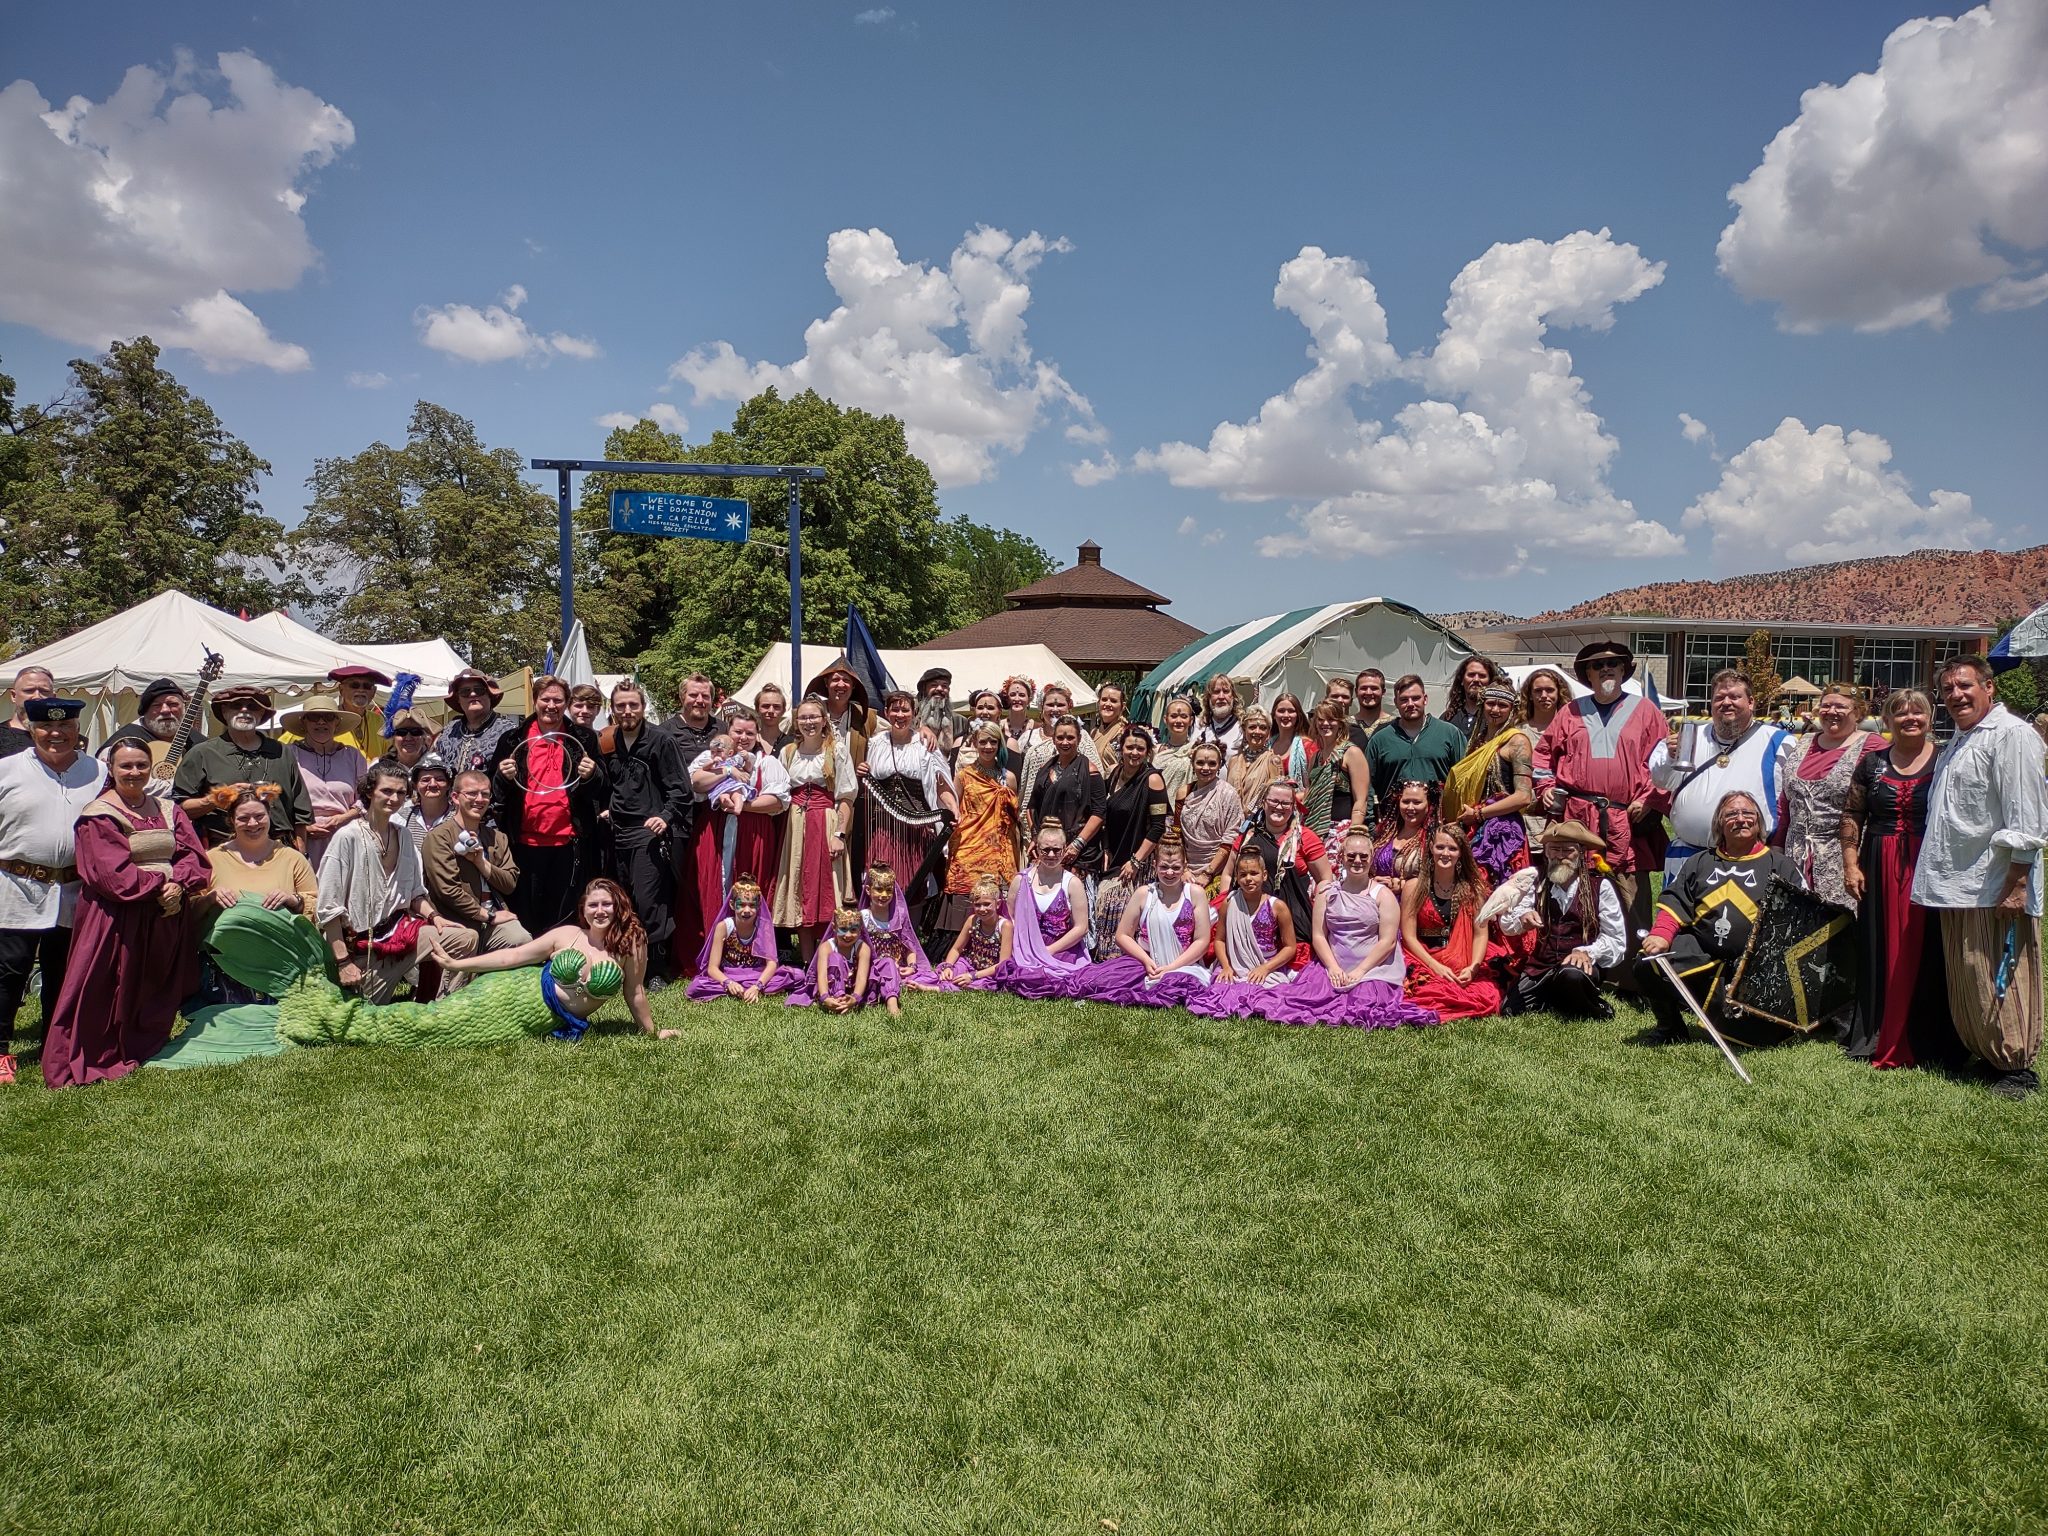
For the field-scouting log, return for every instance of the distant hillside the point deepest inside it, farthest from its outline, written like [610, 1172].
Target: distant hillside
[1930, 586]
[1477, 618]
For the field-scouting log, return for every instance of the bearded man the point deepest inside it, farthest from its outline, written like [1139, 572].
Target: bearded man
[240, 758]
[156, 721]
[1592, 765]
[937, 726]
[1576, 915]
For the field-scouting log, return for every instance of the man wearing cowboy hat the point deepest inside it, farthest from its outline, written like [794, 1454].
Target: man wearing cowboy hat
[42, 792]
[1592, 765]
[242, 755]
[477, 736]
[1577, 918]
[355, 687]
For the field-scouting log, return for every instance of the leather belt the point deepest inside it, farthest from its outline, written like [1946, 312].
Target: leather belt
[46, 874]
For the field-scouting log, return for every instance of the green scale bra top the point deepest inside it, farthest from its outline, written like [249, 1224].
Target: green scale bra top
[605, 978]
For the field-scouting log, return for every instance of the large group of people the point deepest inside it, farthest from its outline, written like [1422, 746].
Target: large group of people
[1332, 861]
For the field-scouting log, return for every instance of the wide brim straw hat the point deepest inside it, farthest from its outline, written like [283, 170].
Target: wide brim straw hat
[294, 719]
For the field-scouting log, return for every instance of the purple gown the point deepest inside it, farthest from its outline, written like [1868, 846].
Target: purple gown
[743, 963]
[1241, 999]
[838, 979]
[1123, 981]
[1351, 923]
[981, 952]
[1034, 970]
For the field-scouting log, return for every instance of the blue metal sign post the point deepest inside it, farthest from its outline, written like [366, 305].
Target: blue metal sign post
[686, 512]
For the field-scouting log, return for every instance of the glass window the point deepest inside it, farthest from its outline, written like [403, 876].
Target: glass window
[1650, 642]
[1883, 665]
[1809, 656]
[1707, 654]
[1949, 650]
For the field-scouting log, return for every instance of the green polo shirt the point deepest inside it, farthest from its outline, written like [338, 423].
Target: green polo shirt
[1393, 755]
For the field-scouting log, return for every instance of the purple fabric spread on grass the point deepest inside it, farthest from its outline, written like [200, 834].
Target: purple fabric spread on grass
[1351, 924]
[980, 953]
[1239, 999]
[1034, 970]
[703, 989]
[1122, 980]
[838, 979]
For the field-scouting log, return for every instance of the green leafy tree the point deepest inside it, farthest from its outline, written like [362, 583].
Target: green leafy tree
[871, 535]
[439, 537]
[127, 485]
[984, 564]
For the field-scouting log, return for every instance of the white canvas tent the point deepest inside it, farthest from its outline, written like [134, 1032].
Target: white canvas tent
[972, 668]
[1299, 652]
[436, 661]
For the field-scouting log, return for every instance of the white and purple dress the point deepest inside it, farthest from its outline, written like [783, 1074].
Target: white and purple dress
[897, 956]
[1165, 932]
[1351, 923]
[1041, 917]
[983, 951]
[1250, 940]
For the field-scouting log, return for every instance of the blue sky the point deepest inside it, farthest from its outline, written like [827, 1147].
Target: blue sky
[644, 182]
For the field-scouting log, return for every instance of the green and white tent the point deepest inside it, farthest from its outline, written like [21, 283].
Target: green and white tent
[1299, 652]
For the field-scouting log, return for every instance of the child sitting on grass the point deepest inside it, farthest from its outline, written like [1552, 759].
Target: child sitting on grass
[983, 945]
[840, 974]
[885, 924]
[738, 959]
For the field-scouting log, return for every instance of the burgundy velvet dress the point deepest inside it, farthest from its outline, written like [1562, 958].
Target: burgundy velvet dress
[132, 963]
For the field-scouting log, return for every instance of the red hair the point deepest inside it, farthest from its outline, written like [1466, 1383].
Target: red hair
[625, 936]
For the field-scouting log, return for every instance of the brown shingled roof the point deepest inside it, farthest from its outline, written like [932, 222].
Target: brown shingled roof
[1112, 639]
[1089, 581]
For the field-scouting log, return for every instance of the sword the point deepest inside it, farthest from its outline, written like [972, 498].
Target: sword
[1663, 963]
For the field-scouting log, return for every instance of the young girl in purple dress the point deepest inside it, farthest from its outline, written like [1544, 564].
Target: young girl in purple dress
[1048, 921]
[899, 960]
[984, 945]
[1356, 934]
[1164, 936]
[840, 975]
[1256, 947]
[738, 958]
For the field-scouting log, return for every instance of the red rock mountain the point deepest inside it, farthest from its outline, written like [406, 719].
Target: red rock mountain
[1930, 586]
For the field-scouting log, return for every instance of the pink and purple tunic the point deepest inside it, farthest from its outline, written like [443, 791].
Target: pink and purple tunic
[1039, 920]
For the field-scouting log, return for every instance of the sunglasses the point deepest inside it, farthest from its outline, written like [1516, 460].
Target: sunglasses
[408, 730]
[1357, 858]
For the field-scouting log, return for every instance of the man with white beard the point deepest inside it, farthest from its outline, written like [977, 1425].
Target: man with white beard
[242, 755]
[1592, 765]
[937, 725]
[1579, 922]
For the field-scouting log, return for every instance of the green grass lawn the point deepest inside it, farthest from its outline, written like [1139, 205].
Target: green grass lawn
[1026, 1267]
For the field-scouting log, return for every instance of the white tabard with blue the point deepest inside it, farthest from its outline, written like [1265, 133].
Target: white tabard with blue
[1755, 765]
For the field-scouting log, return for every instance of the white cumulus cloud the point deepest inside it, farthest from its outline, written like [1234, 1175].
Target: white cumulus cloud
[1896, 189]
[941, 348]
[661, 413]
[367, 380]
[1096, 471]
[149, 211]
[496, 333]
[1505, 446]
[1802, 497]
[880, 16]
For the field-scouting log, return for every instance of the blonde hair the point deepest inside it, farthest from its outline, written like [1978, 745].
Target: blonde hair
[986, 885]
[831, 741]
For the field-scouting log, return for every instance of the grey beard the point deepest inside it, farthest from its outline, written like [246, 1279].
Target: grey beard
[936, 711]
[1562, 875]
[162, 730]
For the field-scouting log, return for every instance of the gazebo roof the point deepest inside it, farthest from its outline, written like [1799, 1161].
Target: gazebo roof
[1089, 582]
[1106, 638]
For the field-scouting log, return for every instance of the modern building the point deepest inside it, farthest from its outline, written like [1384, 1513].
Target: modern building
[1091, 618]
[1683, 653]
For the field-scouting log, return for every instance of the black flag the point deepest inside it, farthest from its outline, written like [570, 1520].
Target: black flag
[1800, 964]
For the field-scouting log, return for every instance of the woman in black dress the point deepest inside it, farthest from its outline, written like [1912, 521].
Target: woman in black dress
[1902, 1016]
[1134, 817]
[1067, 789]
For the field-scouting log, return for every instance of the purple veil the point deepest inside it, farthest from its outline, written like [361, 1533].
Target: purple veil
[703, 989]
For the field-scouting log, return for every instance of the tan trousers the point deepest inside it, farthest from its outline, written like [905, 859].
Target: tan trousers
[384, 974]
[2006, 1031]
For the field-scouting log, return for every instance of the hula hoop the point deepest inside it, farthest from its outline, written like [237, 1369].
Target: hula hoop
[569, 763]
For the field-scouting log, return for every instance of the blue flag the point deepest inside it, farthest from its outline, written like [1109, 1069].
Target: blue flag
[865, 660]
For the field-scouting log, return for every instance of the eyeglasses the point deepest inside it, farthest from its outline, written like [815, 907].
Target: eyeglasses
[408, 730]
[1606, 664]
[1357, 858]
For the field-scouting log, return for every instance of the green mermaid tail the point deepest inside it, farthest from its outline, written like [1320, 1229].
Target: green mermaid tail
[280, 955]
[267, 951]
[500, 1005]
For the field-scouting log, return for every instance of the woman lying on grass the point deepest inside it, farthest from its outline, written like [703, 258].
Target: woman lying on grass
[554, 984]
[601, 955]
